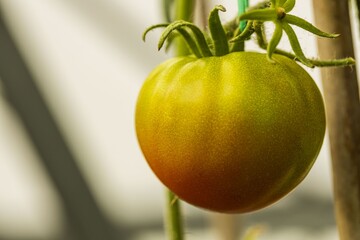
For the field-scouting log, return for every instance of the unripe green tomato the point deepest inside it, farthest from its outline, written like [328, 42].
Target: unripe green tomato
[233, 133]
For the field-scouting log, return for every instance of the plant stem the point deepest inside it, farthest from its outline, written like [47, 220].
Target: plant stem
[174, 226]
[184, 11]
[341, 93]
[173, 216]
[243, 5]
[166, 5]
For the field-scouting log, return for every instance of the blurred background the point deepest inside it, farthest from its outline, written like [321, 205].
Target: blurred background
[88, 63]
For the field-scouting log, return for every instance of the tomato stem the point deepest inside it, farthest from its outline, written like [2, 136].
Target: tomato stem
[184, 11]
[173, 217]
[242, 5]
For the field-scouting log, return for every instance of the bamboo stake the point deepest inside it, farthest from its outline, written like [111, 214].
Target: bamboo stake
[341, 93]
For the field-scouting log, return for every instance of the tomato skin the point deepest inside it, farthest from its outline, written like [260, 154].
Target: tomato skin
[230, 134]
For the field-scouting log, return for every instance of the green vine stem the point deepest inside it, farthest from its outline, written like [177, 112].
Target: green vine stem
[167, 6]
[242, 5]
[173, 224]
[173, 218]
[184, 11]
[240, 45]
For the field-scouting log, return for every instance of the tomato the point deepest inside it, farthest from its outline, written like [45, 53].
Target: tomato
[233, 133]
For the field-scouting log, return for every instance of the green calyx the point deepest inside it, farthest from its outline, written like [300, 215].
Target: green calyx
[200, 44]
[225, 38]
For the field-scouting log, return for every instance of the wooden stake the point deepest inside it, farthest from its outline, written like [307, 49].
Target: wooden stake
[341, 93]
